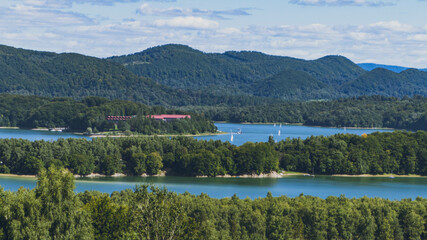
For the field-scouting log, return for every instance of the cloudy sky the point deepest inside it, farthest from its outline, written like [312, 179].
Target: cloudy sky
[381, 31]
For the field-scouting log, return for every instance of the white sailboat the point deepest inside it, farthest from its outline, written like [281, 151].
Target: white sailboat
[232, 137]
[278, 133]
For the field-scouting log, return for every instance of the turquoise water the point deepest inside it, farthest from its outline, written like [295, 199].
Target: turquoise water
[36, 135]
[292, 186]
[321, 186]
[261, 132]
[250, 133]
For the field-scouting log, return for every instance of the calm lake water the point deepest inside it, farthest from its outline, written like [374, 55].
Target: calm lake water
[36, 135]
[261, 132]
[249, 133]
[321, 186]
[292, 186]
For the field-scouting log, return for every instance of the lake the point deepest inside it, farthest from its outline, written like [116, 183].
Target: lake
[291, 186]
[261, 132]
[249, 133]
[321, 186]
[33, 135]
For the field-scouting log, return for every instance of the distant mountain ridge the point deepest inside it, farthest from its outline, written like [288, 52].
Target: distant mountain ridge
[396, 69]
[259, 74]
[177, 75]
[180, 66]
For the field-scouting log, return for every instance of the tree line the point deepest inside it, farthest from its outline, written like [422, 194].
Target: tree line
[90, 114]
[372, 112]
[378, 153]
[53, 211]
[368, 111]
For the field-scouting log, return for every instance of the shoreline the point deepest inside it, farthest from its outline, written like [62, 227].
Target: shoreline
[263, 175]
[9, 127]
[17, 175]
[316, 126]
[159, 135]
[212, 134]
[121, 135]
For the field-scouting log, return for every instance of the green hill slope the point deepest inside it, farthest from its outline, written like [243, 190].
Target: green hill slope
[183, 67]
[177, 75]
[291, 84]
[74, 75]
[387, 83]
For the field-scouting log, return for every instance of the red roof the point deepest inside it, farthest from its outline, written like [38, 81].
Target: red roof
[169, 116]
[119, 118]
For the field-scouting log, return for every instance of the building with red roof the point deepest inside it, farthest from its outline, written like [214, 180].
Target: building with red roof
[169, 117]
[119, 118]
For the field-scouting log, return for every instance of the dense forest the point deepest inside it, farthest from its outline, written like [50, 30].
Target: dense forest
[176, 75]
[287, 78]
[53, 211]
[370, 112]
[77, 76]
[78, 92]
[377, 153]
[90, 114]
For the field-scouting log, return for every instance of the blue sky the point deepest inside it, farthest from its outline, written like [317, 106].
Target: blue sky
[381, 31]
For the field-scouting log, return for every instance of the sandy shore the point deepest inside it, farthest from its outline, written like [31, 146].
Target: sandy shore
[93, 175]
[164, 135]
[9, 127]
[262, 175]
[40, 129]
[76, 176]
[16, 175]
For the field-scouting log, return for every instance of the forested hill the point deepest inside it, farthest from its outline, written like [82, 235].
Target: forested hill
[259, 74]
[183, 67]
[177, 75]
[388, 83]
[48, 74]
[73, 75]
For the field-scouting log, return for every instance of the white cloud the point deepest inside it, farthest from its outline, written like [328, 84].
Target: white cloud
[360, 3]
[58, 4]
[395, 26]
[146, 9]
[30, 26]
[418, 37]
[228, 31]
[29, 16]
[187, 22]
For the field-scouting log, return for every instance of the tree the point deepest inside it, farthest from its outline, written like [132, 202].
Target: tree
[81, 164]
[109, 220]
[158, 214]
[109, 164]
[60, 206]
[154, 163]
